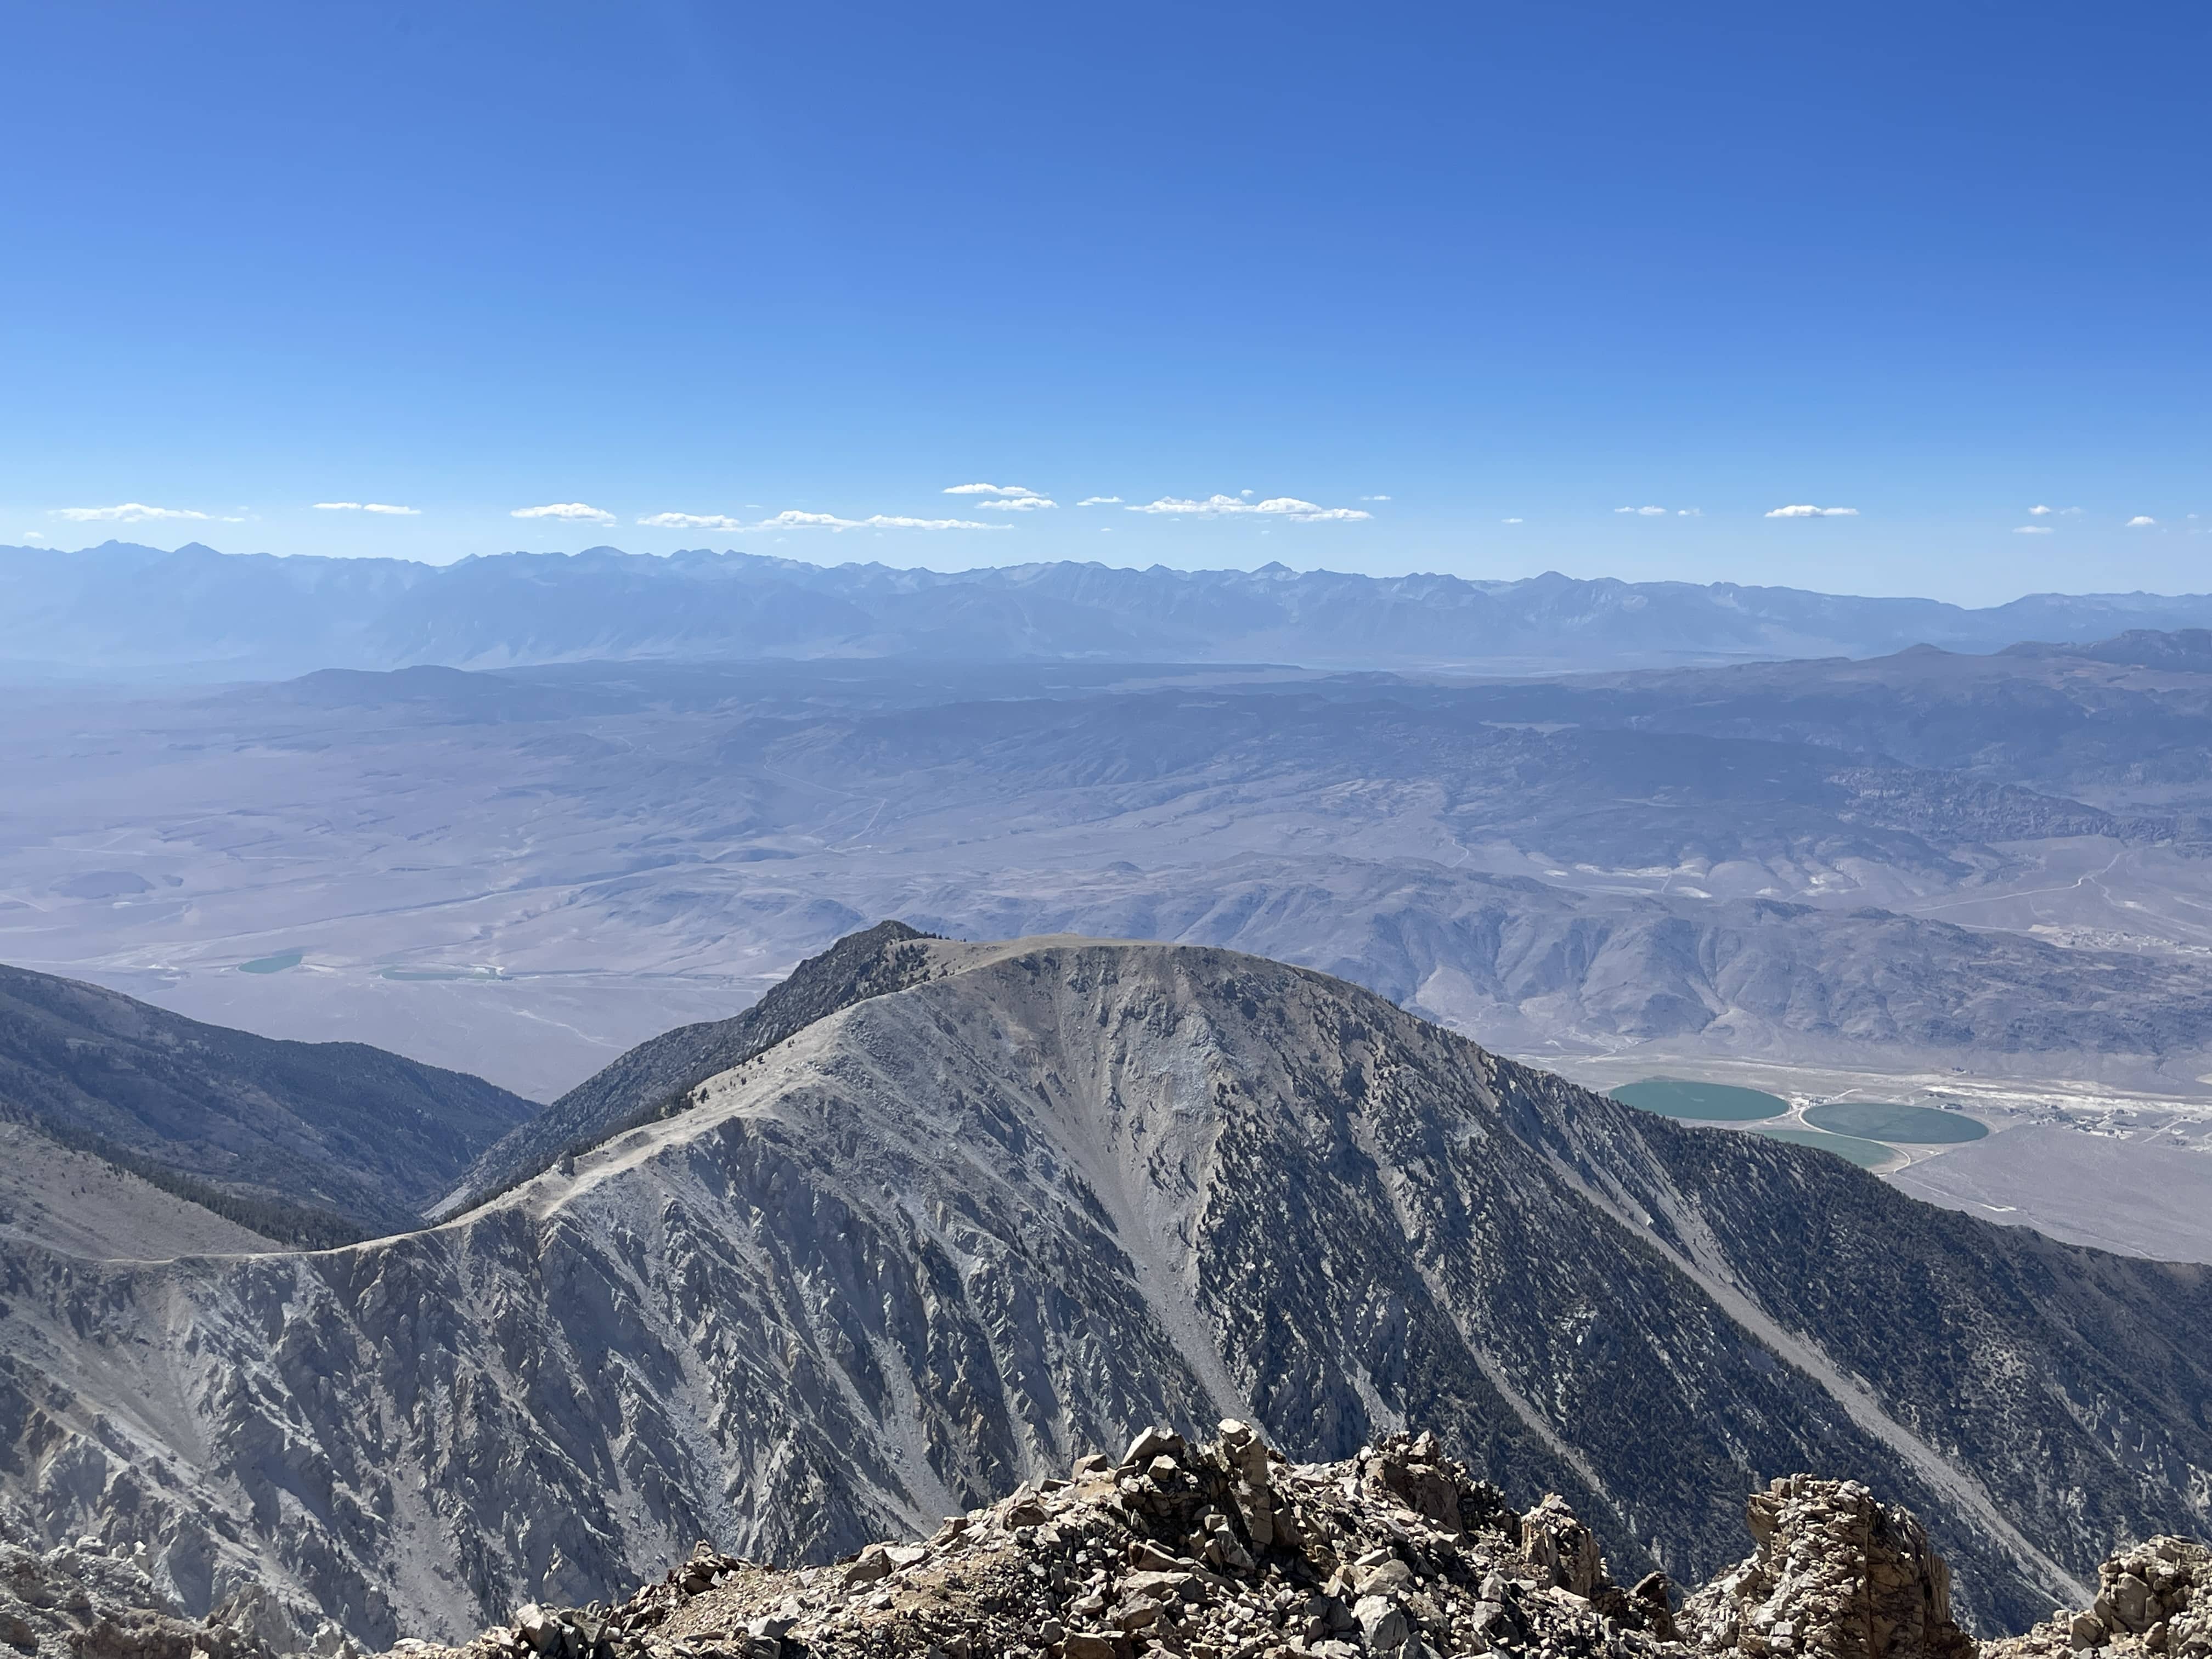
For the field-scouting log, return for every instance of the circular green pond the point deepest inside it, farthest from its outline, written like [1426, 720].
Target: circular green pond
[1702, 1103]
[1864, 1153]
[275, 964]
[1916, 1126]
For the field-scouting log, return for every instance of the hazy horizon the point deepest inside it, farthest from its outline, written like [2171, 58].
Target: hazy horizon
[881, 560]
[1895, 301]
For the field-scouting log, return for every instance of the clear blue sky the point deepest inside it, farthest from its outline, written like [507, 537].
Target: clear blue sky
[1937, 263]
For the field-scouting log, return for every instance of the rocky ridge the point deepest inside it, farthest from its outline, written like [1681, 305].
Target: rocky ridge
[80, 1600]
[652, 1080]
[1835, 1574]
[942, 1240]
[1224, 1550]
[2153, 1599]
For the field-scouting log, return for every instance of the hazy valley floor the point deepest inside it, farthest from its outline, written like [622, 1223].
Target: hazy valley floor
[524, 876]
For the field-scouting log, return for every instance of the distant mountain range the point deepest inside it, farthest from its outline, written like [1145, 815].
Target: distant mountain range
[197, 613]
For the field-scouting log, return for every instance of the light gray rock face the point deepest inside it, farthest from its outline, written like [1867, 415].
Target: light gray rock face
[941, 1241]
[2154, 1598]
[80, 1599]
[1837, 1575]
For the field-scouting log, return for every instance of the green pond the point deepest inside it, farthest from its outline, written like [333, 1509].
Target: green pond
[1703, 1102]
[1864, 1153]
[275, 964]
[1918, 1125]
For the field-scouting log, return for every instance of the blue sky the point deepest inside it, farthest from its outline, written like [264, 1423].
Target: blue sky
[1485, 274]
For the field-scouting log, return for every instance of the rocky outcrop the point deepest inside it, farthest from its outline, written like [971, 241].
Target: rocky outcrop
[1836, 1575]
[1218, 1548]
[652, 1080]
[83, 1601]
[1225, 1551]
[2153, 1599]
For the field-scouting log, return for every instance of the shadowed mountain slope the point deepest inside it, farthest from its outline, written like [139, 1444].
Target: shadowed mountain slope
[81, 1204]
[340, 1127]
[944, 1237]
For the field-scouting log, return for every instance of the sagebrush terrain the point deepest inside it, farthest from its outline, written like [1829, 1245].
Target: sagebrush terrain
[1924, 873]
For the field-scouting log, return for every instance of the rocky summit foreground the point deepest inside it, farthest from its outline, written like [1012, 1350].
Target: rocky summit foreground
[1225, 1551]
[1219, 1551]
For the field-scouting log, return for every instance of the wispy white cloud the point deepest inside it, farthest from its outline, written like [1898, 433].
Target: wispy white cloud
[127, 512]
[1689, 512]
[1513, 521]
[2032, 530]
[2039, 512]
[791, 519]
[990, 490]
[2141, 521]
[1374, 498]
[368, 507]
[693, 521]
[573, 512]
[1019, 503]
[34, 535]
[1100, 500]
[1644, 512]
[1279, 506]
[1803, 512]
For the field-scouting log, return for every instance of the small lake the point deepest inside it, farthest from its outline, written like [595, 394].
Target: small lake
[1700, 1102]
[275, 964]
[1864, 1153]
[1913, 1126]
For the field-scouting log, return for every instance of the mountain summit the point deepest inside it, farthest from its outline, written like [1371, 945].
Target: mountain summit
[942, 1239]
